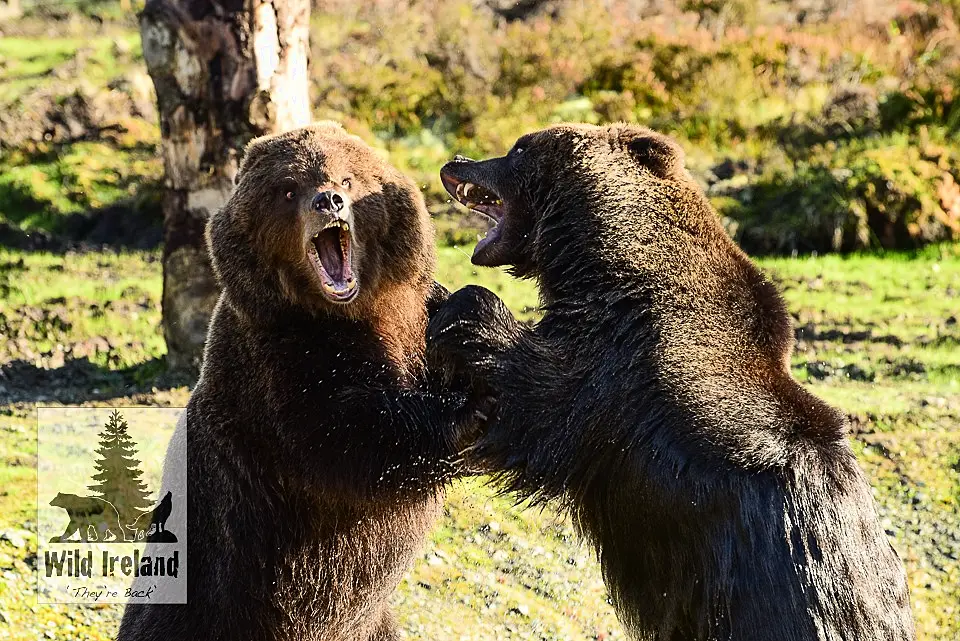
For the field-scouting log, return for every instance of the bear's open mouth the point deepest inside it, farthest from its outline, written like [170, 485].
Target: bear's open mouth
[333, 257]
[480, 199]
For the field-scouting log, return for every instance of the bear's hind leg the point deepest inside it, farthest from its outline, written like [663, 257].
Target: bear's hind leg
[71, 528]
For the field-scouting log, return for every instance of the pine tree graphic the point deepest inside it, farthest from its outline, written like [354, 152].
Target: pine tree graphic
[118, 472]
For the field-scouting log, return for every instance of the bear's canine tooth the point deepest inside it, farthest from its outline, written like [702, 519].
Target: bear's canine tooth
[463, 192]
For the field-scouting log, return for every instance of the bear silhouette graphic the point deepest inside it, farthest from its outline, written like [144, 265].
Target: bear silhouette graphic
[94, 518]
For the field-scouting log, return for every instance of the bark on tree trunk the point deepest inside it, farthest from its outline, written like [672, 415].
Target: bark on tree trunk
[225, 71]
[10, 9]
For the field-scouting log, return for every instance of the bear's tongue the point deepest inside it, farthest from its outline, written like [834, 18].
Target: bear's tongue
[491, 237]
[333, 249]
[485, 202]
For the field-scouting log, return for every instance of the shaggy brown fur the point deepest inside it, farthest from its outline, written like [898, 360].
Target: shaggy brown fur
[654, 400]
[317, 443]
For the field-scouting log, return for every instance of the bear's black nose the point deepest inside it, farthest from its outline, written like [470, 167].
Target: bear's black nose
[328, 202]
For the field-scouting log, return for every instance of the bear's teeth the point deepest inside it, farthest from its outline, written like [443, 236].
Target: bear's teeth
[463, 192]
[344, 225]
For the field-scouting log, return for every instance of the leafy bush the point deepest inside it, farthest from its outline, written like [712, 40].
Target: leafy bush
[826, 120]
[886, 194]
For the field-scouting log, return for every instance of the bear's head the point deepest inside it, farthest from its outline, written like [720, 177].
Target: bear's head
[571, 193]
[610, 213]
[60, 500]
[318, 221]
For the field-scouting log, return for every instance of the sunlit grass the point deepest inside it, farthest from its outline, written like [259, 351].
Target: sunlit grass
[493, 570]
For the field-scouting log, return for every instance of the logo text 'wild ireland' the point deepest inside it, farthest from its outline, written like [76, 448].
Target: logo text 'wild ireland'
[112, 512]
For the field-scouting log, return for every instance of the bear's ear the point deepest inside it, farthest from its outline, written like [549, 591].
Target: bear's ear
[249, 157]
[656, 152]
[327, 127]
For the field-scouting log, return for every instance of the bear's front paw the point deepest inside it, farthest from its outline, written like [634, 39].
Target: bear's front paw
[437, 296]
[470, 332]
[472, 420]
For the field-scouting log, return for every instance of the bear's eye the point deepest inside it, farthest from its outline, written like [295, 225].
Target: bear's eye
[290, 195]
[346, 183]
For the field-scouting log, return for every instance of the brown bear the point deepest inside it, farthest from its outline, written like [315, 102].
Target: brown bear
[654, 400]
[317, 443]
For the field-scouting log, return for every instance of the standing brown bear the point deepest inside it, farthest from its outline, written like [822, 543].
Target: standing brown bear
[654, 400]
[316, 443]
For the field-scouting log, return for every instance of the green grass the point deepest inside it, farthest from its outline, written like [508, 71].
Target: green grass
[18, 470]
[77, 144]
[102, 306]
[888, 304]
[493, 570]
[454, 270]
[40, 188]
[30, 63]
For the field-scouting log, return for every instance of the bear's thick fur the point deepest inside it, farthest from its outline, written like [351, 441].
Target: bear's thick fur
[317, 445]
[654, 400]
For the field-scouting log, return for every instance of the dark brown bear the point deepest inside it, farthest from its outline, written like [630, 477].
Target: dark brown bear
[654, 400]
[317, 445]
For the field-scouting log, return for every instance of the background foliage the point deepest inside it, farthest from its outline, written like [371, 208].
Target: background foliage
[814, 125]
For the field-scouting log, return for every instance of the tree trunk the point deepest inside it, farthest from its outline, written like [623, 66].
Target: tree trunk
[225, 71]
[10, 9]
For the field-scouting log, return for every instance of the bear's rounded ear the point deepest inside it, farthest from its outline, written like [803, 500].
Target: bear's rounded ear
[656, 152]
[329, 126]
[249, 156]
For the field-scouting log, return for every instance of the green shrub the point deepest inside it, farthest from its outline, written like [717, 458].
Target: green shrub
[829, 117]
[890, 193]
